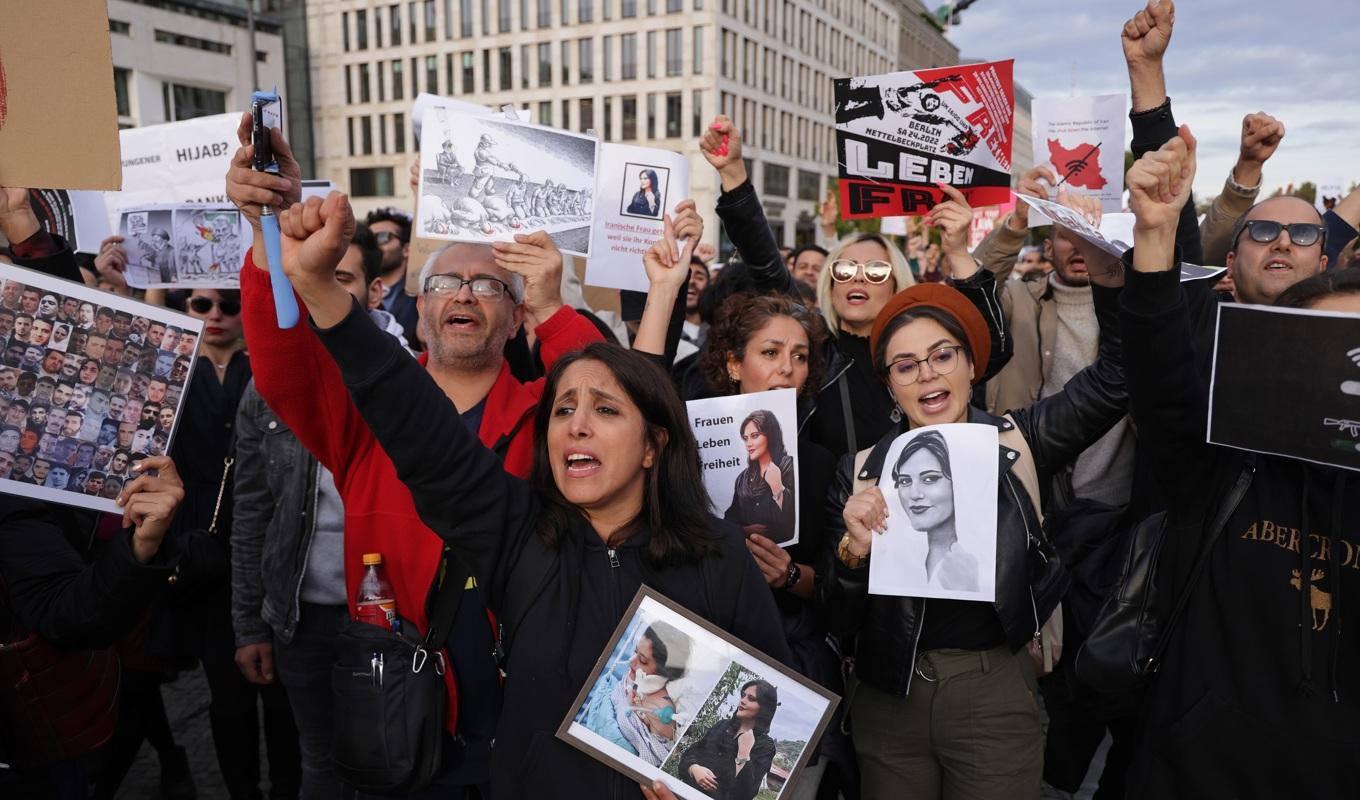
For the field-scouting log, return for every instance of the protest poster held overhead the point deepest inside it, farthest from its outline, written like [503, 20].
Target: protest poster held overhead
[748, 451]
[1082, 140]
[177, 162]
[1268, 354]
[62, 61]
[897, 135]
[182, 247]
[636, 187]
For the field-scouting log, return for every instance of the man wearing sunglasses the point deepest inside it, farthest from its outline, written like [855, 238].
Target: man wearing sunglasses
[392, 230]
[1276, 244]
[474, 298]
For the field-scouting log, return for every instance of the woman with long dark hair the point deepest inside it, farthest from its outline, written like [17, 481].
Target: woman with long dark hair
[647, 199]
[925, 490]
[763, 497]
[732, 759]
[614, 500]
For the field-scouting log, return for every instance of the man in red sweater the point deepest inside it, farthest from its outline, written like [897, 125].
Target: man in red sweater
[474, 298]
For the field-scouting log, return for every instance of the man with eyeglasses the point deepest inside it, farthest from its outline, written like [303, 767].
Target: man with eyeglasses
[474, 298]
[392, 230]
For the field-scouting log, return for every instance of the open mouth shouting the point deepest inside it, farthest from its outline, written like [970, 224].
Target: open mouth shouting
[935, 401]
[1278, 265]
[460, 320]
[581, 463]
[857, 297]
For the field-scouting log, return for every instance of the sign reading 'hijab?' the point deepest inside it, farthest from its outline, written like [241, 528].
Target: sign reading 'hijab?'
[748, 450]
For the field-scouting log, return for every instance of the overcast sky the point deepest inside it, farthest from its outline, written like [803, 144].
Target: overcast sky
[1298, 61]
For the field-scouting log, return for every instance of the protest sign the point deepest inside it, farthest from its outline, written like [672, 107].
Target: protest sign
[985, 221]
[184, 246]
[90, 382]
[940, 483]
[177, 162]
[899, 134]
[484, 180]
[317, 188]
[1082, 140]
[635, 186]
[1329, 193]
[677, 727]
[1301, 371]
[58, 116]
[748, 451]
[78, 217]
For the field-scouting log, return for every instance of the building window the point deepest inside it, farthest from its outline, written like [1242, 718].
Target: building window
[119, 26]
[608, 58]
[349, 85]
[674, 53]
[776, 181]
[628, 61]
[503, 11]
[398, 79]
[486, 70]
[382, 134]
[585, 60]
[364, 90]
[377, 27]
[697, 114]
[344, 31]
[486, 17]
[507, 59]
[673, 118]
[448, 19]
[399, 133]
[674, 6]
[429, 21]
[628, 8]
[586, 11]
[698, 66]
[361, 29]
[545, 113]
[586, 115]
[120, 91]
[366, 135]
[469, 86]
[206, 45]
[350, 131]
[566, 65]
[545, 13]
[524, 15]
[371, 182]
[524, 66]
[465, 18]
[629, 119]
[394, 24]
[651, 8]
[608, 119]
[564, 12]
[606, 10]
[651, 54]
[544, 64]
[651, 115]
[809, 185]
[188, 102]
[432, 74]
[382, 81]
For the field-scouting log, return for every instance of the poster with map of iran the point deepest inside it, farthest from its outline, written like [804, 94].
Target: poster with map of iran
[1082, 140]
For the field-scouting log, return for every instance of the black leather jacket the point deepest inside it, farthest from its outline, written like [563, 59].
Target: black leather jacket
[1030, 579]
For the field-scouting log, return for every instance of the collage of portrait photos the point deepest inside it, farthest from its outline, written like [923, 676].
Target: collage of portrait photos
[678, 700]
[90, 382]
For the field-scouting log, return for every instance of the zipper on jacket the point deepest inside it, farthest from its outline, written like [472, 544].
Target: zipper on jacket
[1029, 542]
[613, 558]
[911, 663]
[306, 546]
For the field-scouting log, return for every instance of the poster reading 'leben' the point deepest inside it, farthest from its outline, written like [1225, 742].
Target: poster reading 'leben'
[56, 61]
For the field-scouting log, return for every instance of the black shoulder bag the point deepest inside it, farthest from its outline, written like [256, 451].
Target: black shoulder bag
[390, 698]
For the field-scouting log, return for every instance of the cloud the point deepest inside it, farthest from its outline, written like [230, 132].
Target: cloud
[1226, 59]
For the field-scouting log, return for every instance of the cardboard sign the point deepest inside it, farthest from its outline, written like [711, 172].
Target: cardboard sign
[58, 115]
[1286, 381]
[675, 729]
[635, 186]
[186, 246]
[748, 451]
[1082, 140]
[940, 482]
[899, 134]
[91, 382]
[177, 162]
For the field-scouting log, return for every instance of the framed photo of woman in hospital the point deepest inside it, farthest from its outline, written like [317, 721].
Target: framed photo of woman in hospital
[940, 483]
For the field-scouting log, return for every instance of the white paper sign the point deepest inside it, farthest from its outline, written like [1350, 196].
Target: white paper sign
[748, 449]
[178, 162]
[634, 187]
[184, 246]
[484, 180]
[1082, 140]
[1329, 192]
[91, 382]
[940, 483]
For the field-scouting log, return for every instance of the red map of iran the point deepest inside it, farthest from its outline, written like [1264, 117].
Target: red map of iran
[1079, 166]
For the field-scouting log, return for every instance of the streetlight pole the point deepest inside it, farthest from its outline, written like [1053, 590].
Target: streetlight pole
[254, 59]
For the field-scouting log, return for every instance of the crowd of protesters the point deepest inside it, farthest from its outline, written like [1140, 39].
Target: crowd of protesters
[493, 432]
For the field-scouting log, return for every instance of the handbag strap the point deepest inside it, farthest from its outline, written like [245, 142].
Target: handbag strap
[221, 490]
[447, 601]
[846, 416]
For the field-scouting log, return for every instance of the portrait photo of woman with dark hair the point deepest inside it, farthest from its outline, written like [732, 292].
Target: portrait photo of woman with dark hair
[731, 760]
[649, 199]
[925, 488]
[763, 499]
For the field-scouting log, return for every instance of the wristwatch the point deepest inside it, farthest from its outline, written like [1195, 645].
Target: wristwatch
[795, 575]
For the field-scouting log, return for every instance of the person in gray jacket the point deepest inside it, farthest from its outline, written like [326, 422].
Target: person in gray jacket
[288, 580]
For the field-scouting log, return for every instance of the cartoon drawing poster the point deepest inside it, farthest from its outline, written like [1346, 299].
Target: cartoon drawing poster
[1082, 140]
[899, 134]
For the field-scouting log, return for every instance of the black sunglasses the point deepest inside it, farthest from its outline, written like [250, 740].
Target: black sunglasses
[1303, 234]
[204, 305]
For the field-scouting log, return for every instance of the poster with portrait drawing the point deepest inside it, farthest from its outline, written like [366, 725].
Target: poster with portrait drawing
[672, 691]
[940, 483]
[90, 382]
[485, 179]
[748, 451]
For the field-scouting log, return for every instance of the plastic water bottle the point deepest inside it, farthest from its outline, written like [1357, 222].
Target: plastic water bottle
[376, 602]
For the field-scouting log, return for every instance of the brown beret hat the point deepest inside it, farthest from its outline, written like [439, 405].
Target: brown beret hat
[952, 302]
